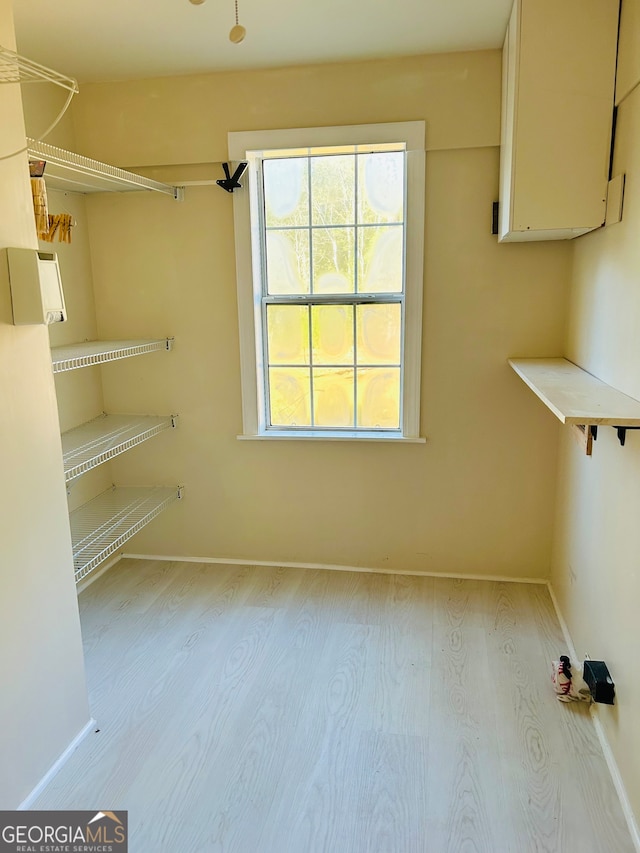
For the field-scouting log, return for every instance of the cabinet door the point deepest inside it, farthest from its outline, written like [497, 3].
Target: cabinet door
[558, 87]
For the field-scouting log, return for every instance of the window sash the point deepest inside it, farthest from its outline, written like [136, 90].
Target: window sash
[247, 145]
[331, 299]
[313, 298]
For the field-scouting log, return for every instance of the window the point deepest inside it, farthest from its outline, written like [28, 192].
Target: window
[329, 245]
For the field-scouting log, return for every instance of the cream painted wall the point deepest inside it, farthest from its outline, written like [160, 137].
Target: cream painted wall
[79, 392]
[186, 119]
[597, 543]
[43, 703]
[477, 498]
[41, 106]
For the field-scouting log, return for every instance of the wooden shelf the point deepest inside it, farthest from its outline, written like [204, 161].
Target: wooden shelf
[575, 396]
[103, 525]
[72, 172]
[101, 439]
[99, 352]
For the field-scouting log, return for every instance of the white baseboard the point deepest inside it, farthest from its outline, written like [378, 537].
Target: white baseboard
[617, 778]
[563, 625]
[233, 561]
[56, 766]
[612, 764]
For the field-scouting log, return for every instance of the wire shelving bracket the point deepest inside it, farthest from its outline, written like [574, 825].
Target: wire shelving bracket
[18, 69]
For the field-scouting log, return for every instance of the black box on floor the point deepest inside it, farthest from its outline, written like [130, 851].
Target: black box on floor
[599, 681]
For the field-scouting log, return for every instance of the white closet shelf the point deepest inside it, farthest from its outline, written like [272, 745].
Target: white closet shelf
[575, 396]
[99, 352]
[18, 69]
[101, 439]
[66, 170]
[103, 525]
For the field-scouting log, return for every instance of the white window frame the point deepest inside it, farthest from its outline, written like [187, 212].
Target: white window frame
[246, 146]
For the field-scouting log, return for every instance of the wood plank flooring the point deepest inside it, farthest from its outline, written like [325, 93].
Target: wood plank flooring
[258, 710]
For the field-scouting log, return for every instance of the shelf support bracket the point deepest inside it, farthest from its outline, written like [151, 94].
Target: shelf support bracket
[585, 435]
[622, 433]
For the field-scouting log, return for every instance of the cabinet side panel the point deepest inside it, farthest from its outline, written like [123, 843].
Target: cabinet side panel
[508, 119]
[628, 49]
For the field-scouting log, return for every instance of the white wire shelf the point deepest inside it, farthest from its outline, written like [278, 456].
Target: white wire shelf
[18, 69]
[66, 170]
[105, 437]
[102, 526]
[90, 353]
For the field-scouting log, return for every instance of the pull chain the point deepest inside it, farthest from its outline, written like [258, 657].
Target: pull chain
[238, 32]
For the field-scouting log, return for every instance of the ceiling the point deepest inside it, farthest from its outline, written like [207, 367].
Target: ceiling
[127, 39]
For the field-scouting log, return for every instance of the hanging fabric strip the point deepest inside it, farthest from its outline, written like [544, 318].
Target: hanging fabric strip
[39, 194]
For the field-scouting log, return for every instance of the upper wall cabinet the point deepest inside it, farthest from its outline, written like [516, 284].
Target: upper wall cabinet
[558, 78]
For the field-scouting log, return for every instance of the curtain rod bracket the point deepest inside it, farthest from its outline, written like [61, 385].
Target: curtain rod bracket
[232, 182]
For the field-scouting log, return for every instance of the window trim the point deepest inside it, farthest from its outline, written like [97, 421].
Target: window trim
[248, 261]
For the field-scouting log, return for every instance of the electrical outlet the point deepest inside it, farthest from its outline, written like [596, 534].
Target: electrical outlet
[587, 656]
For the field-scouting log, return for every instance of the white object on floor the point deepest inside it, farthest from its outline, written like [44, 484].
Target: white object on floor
[568, 682]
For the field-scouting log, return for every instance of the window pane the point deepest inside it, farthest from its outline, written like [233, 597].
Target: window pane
[379, 333]
[333, 188]
[287, 261]
[379, 397]
[380, 259]
[332, 333]
[288, 334]
[381, 187]
[333, 260]
[290, 396]
[333, 397]
[286, 191]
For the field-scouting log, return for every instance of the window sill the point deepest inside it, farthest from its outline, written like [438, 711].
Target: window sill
[311, 435]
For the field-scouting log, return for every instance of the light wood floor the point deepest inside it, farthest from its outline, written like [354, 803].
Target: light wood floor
[257, 710]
